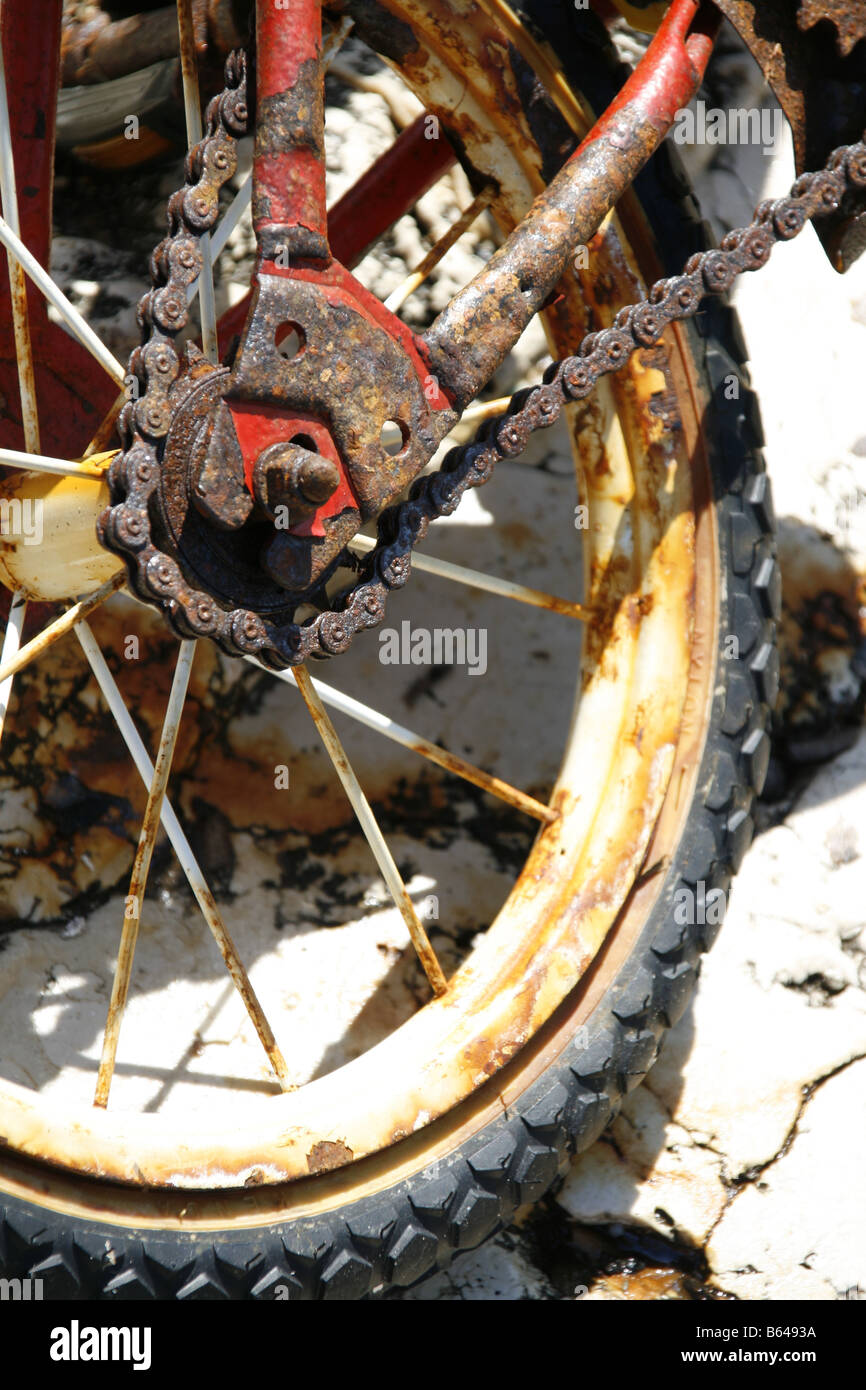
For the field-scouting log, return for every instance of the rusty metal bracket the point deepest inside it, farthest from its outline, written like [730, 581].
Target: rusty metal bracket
[472, 336]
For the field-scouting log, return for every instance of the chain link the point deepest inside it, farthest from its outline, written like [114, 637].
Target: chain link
[125, 526]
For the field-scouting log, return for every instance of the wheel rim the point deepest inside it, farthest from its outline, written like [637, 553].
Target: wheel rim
[553, 925]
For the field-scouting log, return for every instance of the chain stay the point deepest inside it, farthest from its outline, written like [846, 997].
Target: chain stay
[124, 527]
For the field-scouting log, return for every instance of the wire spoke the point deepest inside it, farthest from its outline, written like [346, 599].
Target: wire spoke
[11, 641]
[192, 108]
[183, 850]
[483, 410]
[398, 733]
[334, 37]
[17, 286]
[140, 870]
[59, 628]
[490, 583]
[16, 458]
[369, 825]
[442, 247]
[473, 415]
[230, 219]
[105, 433]
[53, 293]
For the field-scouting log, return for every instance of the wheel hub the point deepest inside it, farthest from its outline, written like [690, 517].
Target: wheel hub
[240, 486]
[294, 451]
[269, 468]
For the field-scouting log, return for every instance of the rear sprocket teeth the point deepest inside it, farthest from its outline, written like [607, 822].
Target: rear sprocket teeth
[848, 18]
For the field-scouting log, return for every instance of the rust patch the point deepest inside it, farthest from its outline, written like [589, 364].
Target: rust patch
[327, 1155]
[657, 1285]
[638, 607]
[518, 534]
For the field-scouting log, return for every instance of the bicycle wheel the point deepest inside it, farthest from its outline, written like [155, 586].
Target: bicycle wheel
[417, 1125]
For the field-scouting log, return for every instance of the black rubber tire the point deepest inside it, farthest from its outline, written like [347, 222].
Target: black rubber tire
[405, 1232]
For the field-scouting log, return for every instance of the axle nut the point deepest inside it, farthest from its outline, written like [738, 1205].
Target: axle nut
[293, 476]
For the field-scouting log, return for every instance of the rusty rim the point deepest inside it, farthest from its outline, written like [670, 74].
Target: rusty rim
[638, 724]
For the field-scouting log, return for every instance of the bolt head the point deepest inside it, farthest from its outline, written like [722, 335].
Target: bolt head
[290, 475]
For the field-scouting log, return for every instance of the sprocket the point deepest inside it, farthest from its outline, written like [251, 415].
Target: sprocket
[847, 16]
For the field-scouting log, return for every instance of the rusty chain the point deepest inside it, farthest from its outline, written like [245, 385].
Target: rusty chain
[124, 526]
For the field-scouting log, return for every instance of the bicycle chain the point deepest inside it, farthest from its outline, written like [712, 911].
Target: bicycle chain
[124, 527]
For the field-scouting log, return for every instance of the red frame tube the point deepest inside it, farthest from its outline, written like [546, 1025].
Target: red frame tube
[289, 165]
[389, 188]
[73, 392]
[670, 72]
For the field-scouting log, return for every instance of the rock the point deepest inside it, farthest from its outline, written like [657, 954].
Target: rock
[656, 1285]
